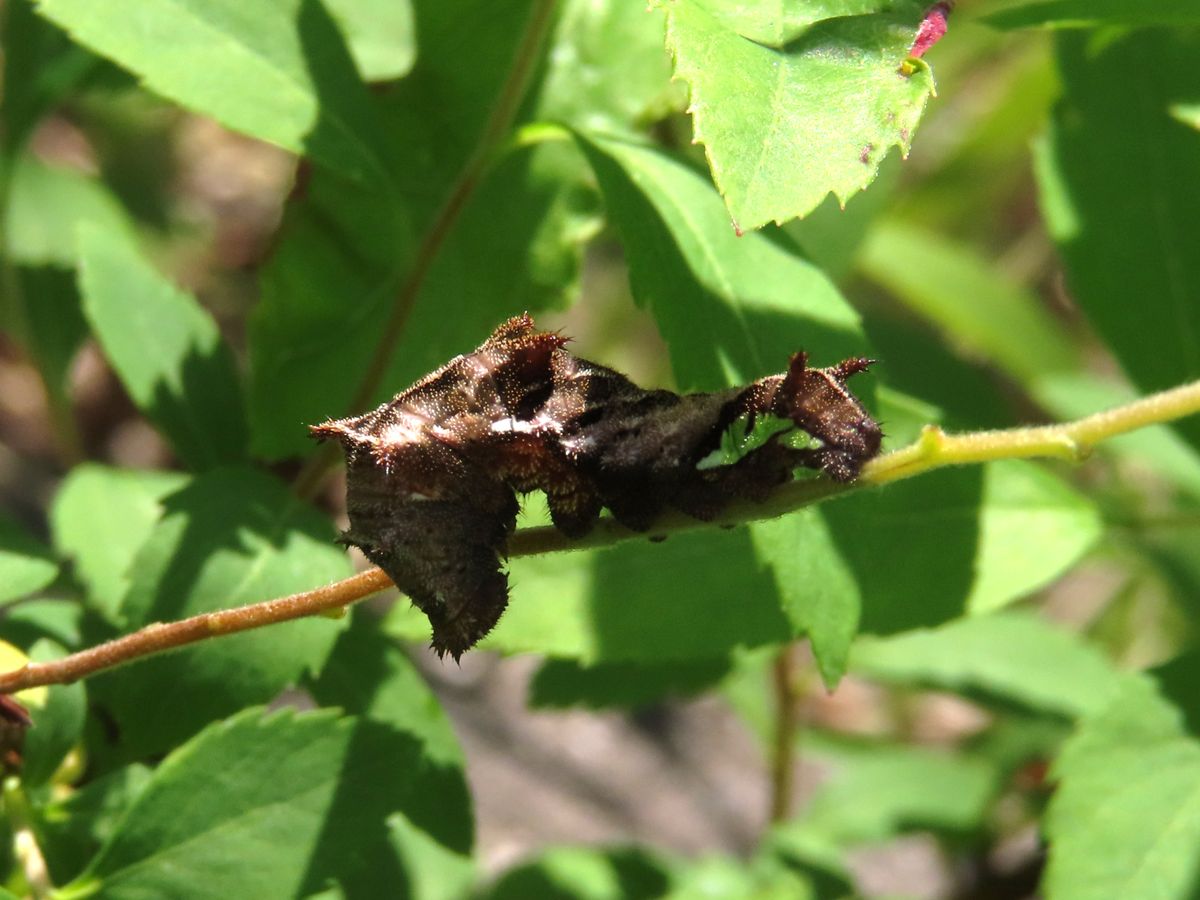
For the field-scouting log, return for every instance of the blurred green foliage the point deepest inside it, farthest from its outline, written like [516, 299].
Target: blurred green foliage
[445, 165]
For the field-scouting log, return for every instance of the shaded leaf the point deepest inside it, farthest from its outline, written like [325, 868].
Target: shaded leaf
[925, 551]
[28, 622]
[58, 722]
[1177, 680]
[764, 878]
[875, 792]
[101, 517]
[227, 538]
[1125, 820]
[1119, 177]
[1091, 13]
[53, 328]
[367, 674]
[832, 234]
[561, 683]
[1014, 656]
[697, 595]
[731, 309]
[40, 66]
[262, 805]
[973, 305]
[577, 873]
[165, 348]
[71, 829]
[26, 565]
[790, 111]
[351, 254]
[46, 205]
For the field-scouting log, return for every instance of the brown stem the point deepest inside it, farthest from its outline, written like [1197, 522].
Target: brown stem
[933, 450]
[495, 134]
[786, 676]
[159, 637]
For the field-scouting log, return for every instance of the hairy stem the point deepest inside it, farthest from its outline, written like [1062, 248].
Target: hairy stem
[933, 450]
[492, 140]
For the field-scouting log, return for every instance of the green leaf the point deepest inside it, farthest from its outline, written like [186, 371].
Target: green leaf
[578, 873]
[52, 329]
[1125, 819]
[325, 300]
[697, 595]
[561, 683]
[1177, 680]
[1014, 656]
[917, 554]
[1118, 175]
[101, 517]
[817, 590]
[430, 834]
[59, 724]
[975, 306]
[1091, 13]
[229, 537]
[165, 348]
[275, 71]
[46, 206]
[40, 65]
[28, 622]
[790, 111]
[72, 828]
[876, 792]
[914, 360]
[925, 551]
[380, 35]
[731, 309]
[261, 805]
[26, 565]
[606, 68]
[350, 254]
[369, 675]
[832, 234]
[766, 877]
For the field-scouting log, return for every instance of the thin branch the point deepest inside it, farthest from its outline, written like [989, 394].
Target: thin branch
[158, 637]
[786, 677]
[933, 450]
[493, 139]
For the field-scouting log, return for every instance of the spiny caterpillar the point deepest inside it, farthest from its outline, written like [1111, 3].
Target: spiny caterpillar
[433, 475]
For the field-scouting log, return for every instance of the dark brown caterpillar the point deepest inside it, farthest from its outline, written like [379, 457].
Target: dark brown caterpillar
[433, 475]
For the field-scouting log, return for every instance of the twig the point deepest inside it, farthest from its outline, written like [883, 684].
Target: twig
[786, 675]
[933, 450]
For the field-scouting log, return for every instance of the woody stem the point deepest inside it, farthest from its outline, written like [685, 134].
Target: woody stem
[934, 449]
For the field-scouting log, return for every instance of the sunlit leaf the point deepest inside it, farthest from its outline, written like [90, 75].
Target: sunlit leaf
[789, 111]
